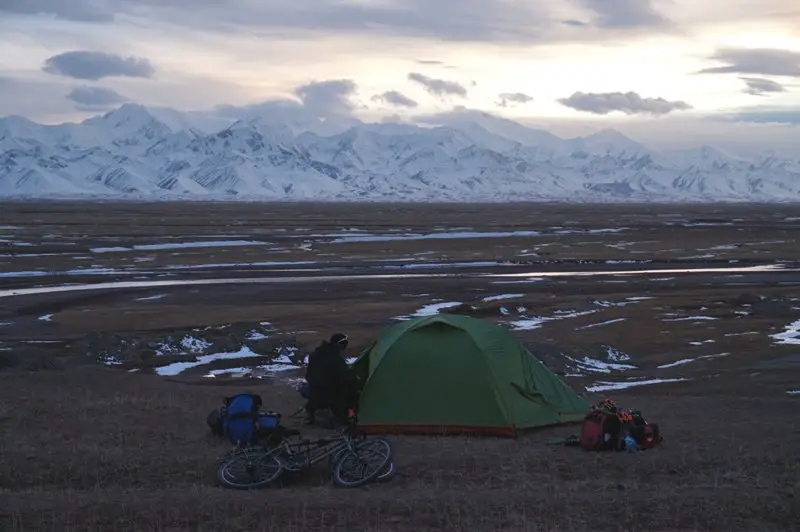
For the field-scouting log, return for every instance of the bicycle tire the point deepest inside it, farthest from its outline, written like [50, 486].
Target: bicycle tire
[388, 473]
[228, 480]
[385, 476]
[339, 478]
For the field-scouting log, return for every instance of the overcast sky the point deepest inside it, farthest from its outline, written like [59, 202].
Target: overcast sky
[646, 65]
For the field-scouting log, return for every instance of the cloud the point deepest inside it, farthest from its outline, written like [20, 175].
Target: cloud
[506, 21]
[83, 64]
[77, 10]
[332, 96]
[32, 98]
[761, 86]
[438, 87]
[622, 14]
[513, 98]
[766, 115]
[765, 61]
[95, 98]
[629, 103]
[476, 20]
[395, 98]
[318, 100]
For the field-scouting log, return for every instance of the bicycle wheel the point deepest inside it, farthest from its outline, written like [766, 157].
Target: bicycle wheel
[249, 470]
[364, 464]
[388, 473]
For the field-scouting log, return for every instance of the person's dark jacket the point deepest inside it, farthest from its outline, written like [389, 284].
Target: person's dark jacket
[330, 381]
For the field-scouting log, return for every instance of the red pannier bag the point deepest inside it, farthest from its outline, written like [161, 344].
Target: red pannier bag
[600, 432]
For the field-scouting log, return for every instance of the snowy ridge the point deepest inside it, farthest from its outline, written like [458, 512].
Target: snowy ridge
[130, 153]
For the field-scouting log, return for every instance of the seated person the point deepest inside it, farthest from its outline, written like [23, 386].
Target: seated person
[331, 384]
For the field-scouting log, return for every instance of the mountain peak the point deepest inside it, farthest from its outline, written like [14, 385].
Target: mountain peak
[472, 157]
[607, 134]
[127, 115]
[15, 125]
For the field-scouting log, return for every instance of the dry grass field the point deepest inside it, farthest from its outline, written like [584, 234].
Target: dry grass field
[102, 432]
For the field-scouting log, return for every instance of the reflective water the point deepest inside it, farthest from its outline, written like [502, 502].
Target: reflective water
[327, 278]
[190, 282]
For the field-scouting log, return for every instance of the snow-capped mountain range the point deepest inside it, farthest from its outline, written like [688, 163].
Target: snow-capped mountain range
[140, 153]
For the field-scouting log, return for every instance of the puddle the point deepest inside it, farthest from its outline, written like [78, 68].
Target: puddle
[179, 245]
[602, 386]
[240, 265]
[528, 280]
[590, 231]
[680, 362]
[593, 325]
[430, 236]
[476, 264]
[46, 317]
[255, 280]
[502, 297]
[692, 318]
[753, 269]
[688, 360]
[73, 272]
[206, 282]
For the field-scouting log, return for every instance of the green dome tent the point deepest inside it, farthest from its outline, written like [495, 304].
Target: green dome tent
[457, 374]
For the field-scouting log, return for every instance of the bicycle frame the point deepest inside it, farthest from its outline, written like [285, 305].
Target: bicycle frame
[296, 456]
[299, 455]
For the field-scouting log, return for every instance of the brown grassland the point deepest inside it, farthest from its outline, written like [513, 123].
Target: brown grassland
[86, 447]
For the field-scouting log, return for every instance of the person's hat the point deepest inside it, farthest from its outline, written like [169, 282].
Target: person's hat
[340, 339]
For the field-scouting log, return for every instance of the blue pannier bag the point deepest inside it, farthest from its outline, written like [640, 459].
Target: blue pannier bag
[241, 418]
[268, 420]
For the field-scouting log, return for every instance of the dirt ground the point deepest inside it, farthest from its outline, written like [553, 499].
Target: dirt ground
[96, 448]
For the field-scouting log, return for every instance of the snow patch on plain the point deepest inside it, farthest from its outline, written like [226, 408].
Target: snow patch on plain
[598, 366]
[179, 367]
[531, 323]
[603, 386]
[791, 334]
[434, 308]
